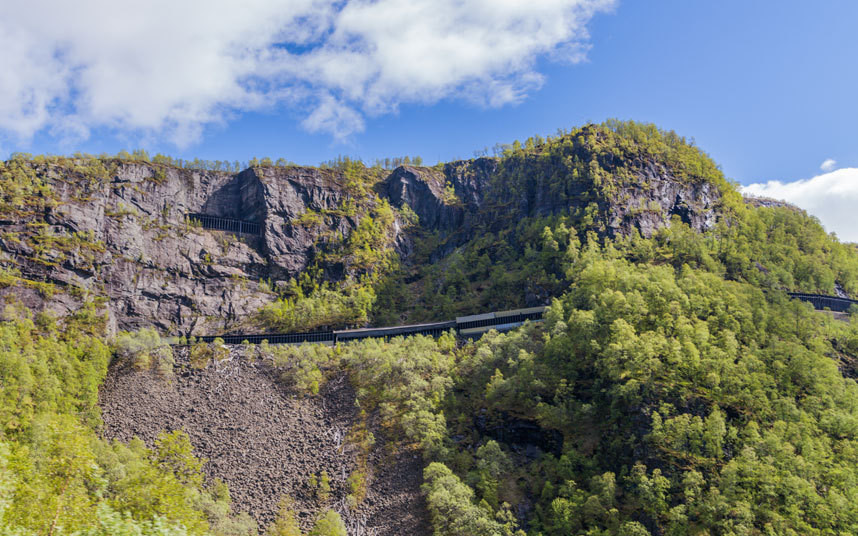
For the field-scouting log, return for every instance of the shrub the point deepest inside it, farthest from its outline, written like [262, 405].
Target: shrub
[285, 524]
[145, 350]
[357, 482]
[330, 524]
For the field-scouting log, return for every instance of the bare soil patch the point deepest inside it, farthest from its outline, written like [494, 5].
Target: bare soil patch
[265, 440]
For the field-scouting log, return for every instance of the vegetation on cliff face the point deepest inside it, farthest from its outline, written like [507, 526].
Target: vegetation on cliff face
[596, 163]
[518, 257]
[546, 193]
[580, 176]
[673, 389]
[360, 259]
[609, 179]
[25, 197]
[771, 248]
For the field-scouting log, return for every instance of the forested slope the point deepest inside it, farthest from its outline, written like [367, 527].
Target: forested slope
[622, 181]
[672, 389]
[690, 395]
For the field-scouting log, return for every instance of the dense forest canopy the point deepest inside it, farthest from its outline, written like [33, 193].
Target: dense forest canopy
[675, 388]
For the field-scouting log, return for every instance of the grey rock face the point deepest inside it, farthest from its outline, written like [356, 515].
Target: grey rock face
[422, 190]
[157, 270]
[286, 194]
[472, 179]
[648, 204]
[769, 203]
[655, 197]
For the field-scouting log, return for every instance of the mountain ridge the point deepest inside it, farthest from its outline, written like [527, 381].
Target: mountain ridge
[134, 215]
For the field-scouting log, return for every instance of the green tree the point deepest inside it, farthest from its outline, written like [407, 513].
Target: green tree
[330, 524]
[450, 505]
[285, 524]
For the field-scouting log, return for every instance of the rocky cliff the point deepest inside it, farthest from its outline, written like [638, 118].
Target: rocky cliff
[125, 237]
[75, 229]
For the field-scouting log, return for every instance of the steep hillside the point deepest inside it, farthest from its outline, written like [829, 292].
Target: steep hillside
[266, 439]
[83, 228]
[673, 388]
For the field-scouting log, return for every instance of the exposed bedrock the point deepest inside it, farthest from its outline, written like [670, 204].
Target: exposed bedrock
[156, 270]
[655, 197]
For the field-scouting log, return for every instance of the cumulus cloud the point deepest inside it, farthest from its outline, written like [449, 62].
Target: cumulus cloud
[831, 197]
[828, 165]
[169, 67]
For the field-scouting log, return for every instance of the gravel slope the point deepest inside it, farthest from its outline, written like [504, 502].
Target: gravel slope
[265, 441]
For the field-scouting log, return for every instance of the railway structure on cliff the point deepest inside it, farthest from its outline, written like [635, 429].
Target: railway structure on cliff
[464, 326]
[229, 225]
[823, 302]
[468, 327]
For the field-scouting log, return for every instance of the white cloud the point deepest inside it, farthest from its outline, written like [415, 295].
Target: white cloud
[330, 115]
[831, 197]
[828, 165]
[171, 67]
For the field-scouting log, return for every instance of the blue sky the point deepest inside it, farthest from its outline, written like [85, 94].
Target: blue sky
[767, 88]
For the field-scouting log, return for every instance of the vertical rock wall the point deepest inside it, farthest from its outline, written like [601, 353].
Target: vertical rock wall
[156, 270]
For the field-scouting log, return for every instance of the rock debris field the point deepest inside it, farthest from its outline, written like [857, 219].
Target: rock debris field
[265, 441]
